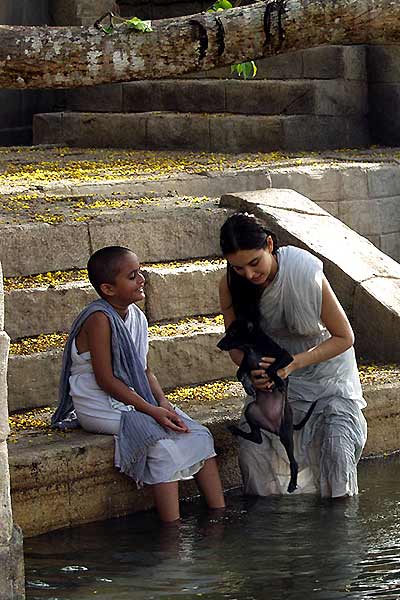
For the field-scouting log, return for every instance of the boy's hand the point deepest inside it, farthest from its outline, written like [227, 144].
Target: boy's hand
[169, 419]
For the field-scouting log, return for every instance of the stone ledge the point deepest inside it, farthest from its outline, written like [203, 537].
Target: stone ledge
[171, 293]
[69, 479]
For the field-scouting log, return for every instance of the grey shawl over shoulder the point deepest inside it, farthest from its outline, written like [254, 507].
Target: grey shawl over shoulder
[138, 431]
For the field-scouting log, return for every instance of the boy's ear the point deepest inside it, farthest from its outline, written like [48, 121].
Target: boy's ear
[107, 289]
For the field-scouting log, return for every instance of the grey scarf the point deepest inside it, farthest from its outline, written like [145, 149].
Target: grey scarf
[138, 431]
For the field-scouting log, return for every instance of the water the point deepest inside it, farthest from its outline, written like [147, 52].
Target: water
[290, 548]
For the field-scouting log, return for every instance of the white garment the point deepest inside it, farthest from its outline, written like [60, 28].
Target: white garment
[330, 445]
[97, 412]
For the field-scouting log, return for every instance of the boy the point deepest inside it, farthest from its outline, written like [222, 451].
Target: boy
[106, 379]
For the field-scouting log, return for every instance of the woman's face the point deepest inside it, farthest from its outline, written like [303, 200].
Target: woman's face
[258, 266]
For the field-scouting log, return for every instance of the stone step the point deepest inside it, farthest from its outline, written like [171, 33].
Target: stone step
[217, 132]
[66, 479]
[277, 97]
[61, 480]
[180, 354]
[173, 230]
[50, 302]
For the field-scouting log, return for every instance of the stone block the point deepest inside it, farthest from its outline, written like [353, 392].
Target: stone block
[99, 98]
[245, 133]
[12, 580]
[187, 96]
[184, 291]
[30, 312]
[176, 9]
[383, 63]
[319, 184]
[155, 239]
[269, 97]
[335, 98]
[384, 103]
[390, 244]
[389, 212]
[10, 114]
[383, 417]
[376, 318]
[6, 522]
[281, 66]
[355, 183]
[33, 380]
[324, 62]
[384, 181]
[187, 360]
[38, 248]
[355, 63]
[184, 131]
[4, 347]
[331, 207]
[141, 96]
[363, 216]
[375, 240]
[48, 129]
[104, 130]
[314, 132]
[1, 299]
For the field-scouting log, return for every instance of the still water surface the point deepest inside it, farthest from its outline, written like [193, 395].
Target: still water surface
[290, 548]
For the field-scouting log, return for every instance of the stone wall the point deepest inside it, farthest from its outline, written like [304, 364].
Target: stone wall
[11, 556]
[17, 107]
[384, 94]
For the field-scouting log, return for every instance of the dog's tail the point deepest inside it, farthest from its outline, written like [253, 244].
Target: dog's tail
[304, 421]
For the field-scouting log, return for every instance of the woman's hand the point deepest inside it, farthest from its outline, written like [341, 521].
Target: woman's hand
[168, 418]
[260, 379]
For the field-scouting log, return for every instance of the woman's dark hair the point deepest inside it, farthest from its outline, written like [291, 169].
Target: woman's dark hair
[243, 231]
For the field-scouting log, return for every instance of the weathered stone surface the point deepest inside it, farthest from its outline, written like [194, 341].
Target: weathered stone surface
[12, 581]
[172, 131]
[78, 12]
[28, 249]
[384, 102]
[335, 98]
[4, 345]
[324, 132]
[384, 63]
[389, 212]
[323, 63]
[383, 181]
[355, 63]
[45, 310]
[184, 291]
[376, 317]
[6, 523]
[390, 244]
[100, 98]
[72, 480]
[159, 236]
[269, 97]
[317, 183]
[355, 183]
[1, 300]
[366, 281]
[363, 216]
[245, 133]
[176, 360]
[383, 418]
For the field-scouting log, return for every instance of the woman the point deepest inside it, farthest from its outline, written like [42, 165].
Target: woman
[285, 290]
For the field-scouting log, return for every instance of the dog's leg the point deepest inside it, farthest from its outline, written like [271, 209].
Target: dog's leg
[255, 433]
[286, 437]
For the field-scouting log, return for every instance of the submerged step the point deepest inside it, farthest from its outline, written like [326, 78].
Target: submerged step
[51, 301]
[224, 132]
[180, 353]
[60, 480]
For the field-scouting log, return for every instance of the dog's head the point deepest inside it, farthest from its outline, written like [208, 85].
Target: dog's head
[238, 334]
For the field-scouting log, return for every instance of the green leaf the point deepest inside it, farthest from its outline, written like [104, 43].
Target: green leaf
[109, 29]
[138, 24]
[254, 68]
[220, 5]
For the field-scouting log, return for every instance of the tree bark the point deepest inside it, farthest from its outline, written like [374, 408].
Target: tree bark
[57, 57]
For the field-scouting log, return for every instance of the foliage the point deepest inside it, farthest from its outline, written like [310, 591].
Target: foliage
[113, 20]
[246, 69]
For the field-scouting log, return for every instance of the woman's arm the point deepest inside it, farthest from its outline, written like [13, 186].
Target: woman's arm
[336, 322]
[98, 334]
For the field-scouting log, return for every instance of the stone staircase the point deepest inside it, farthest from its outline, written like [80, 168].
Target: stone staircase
[61, 480]
[310, 100]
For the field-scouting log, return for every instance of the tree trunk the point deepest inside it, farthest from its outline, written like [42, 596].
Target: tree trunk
[48, 57]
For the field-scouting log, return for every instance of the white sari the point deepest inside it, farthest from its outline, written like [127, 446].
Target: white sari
[329, 447]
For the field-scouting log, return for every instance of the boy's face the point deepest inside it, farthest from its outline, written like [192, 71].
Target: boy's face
[128, 286]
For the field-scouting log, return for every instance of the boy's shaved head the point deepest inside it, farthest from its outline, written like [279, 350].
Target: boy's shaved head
[104, 265]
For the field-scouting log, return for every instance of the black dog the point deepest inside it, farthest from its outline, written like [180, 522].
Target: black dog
[271, 410]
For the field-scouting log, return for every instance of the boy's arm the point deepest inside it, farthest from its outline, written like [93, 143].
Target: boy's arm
[157, 389]
[98, 331]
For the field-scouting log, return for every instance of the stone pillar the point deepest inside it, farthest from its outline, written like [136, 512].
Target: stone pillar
[11, 552]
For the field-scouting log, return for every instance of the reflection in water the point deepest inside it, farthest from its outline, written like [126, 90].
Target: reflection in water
[262, 548]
